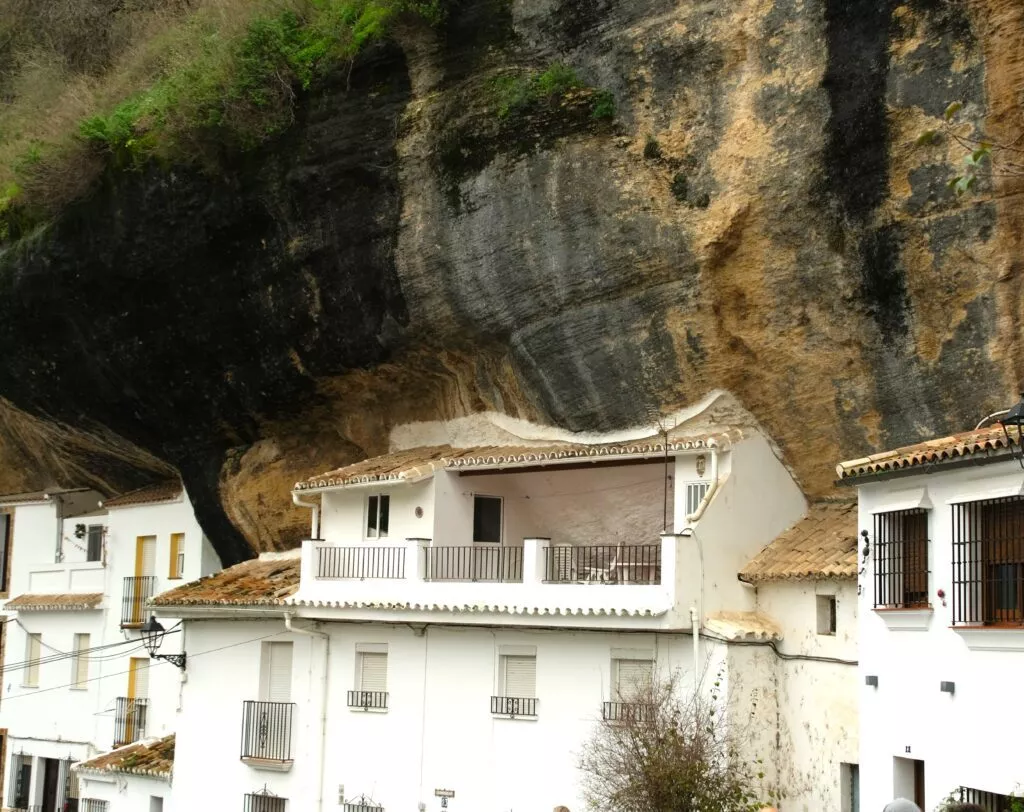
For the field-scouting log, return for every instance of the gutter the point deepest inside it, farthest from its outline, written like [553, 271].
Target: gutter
[967, 461]
[297, 500]
[694, 517]
[323, 703]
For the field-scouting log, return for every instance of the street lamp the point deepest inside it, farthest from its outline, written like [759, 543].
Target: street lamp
[1015, 417]
[152, 636]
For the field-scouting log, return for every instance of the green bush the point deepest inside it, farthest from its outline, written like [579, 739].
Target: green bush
[603, 106]
[515, 93]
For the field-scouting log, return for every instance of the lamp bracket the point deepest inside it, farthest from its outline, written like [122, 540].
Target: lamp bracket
[173, 659]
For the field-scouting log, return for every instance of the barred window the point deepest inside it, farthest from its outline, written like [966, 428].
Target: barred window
[92, 805]
[988, 562]
[990, 801]
[264, 801]
[901, 559]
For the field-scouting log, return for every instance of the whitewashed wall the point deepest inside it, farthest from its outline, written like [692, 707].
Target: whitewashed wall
[127, 793]
[966, 739]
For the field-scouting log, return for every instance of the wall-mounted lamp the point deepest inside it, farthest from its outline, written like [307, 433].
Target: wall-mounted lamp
[1015, 417]
[947, 687]
[871, 680]
[152, 636]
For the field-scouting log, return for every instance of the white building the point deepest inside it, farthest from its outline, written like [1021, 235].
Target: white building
[463, 617]
[76, 678]
[941, 620]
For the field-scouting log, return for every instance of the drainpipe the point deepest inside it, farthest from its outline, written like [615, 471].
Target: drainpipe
[695, 516]
[323, 704]
[58, 553]
[695, 633]
[297, 500]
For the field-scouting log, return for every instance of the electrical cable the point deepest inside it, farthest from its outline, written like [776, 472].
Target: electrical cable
[780, 654]
[62, 655]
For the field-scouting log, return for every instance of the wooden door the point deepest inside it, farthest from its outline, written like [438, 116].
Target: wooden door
[1002, 550]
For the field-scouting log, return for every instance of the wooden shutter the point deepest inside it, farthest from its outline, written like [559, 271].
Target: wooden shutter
[80, 667]
[138, 678]
[177, 555]
[633, 678]
[521, 676]
[373, 671]
[279, 672]
[33, 650]
[145, 556]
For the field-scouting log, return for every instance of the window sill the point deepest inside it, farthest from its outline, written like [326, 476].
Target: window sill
[29, 687]
[275, 765]
[360, 709]
[83, 689]
[520, 717]
[906, 620]
[992, 638]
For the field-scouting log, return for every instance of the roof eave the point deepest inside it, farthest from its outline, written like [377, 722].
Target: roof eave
[967, 459]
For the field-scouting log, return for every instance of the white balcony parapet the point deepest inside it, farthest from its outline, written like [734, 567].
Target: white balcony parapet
[80, 577]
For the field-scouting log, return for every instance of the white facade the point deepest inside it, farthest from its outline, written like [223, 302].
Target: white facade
[918, 736]
[130, 793]
[58, 709]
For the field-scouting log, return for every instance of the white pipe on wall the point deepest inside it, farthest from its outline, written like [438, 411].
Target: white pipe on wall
[695, 632]
[323, 699]
[315, 528]
[695, 516]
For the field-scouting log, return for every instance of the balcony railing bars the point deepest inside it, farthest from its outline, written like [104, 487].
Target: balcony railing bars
[137, 591]
[264, 802]
[605, 564]
[360, 563]
[514, 705]
[627, 712]
[129, 720]
[901, 559]
[496, 564]
[988, 562]
[367, 700]
[990, 801]
[267, 730]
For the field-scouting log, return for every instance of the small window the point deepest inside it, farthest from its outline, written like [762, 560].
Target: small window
[33, 651]
[373, 671]
[377, 510]
[695, 493]
[92, 805]
[519, 676]
[371, 689]
[487, 519]
[156, 803]
[177, 565]
[5, 550]
[826, 606]
[276, 677]
[633, 679]
[264, 802]
[849, 779]
[94, 548]
[80, 662]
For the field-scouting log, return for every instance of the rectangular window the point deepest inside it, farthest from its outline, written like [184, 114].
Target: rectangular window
[264, 802]
[988, 562]
[901, 559]
[145, 556]
[94, 543]
[92, 805]
[276, 676]
[373, 671]
[487, 519]
[695, 493]
[156, 803]
[21, 781]
[826, 609]
[632, 680]
[519, 676]
[849, 781]
[138, 678]
[177, 565]
[378, 509]
[80, 662]
[5, 551]
[33, 651]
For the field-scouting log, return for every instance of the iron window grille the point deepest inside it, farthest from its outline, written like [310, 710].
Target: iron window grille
[628, 712]
[990, 801]
[988, 562]
[362, 804]
[901, 559]
[367, 700]
[137, 592]
[267, 730]
[129, 720]
[264, 801]
[93, 805]
[21, 779]
[514, 705]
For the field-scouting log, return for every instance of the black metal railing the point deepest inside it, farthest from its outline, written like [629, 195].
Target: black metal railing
[627, 712]
[377, 700]
[267, 730]
[604, 563]
[358, 563]
[497, 564]
[129, 720]
[901, 559]
[264, 802]
[988, 562]
[990, 801]
[514, 705]
[137, 591]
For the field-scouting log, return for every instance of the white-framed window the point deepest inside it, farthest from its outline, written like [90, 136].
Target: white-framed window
[177, 562]
[156, 803]
[632, 679]
[276, 672]
[519, 675]
[80, 662]
[695, 493]
[487, 519]
[826, 614]
[94, 543]
[378, 509]
[373, 671]
[33, 651]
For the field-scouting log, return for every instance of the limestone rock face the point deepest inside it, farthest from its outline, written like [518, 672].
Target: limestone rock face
[756, 218]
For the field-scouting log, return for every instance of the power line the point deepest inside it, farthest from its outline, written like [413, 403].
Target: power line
[64, 655]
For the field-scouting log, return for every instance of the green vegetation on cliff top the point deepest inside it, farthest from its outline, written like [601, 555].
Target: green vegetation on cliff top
[177, 81]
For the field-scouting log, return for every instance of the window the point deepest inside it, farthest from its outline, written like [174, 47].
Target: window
[901, 559]
[264, 802]
[695, 493]
[988, 562]
[80, 662]
[377, 510]
[5, 551]
[517, 690]
[849, 781]
[177, 565]
[156, 803]
[276, 672]
[826, 606]
[632, 679]
[487, 519]
[94, 543]
[33, 651]
[371, 677]
[21, 781]
[92, 805]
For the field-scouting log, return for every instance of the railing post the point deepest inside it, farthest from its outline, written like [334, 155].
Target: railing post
[533, 559]
[669, 546]
[417, 568]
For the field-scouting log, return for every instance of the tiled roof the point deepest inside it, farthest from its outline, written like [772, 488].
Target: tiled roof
[487, 608]
[62, 602]
[417, 463]
[149, 757]
[263, 581]
[160, 492]
[821, 545]
[981, 442]
[743, 626]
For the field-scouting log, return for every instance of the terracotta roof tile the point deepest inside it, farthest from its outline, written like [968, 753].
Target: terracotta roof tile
[416, 463]
[160, 492]
[966, 444]
[149, 757]
[821, 545]
[263, 581]
[743, 626]
[61, 602]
